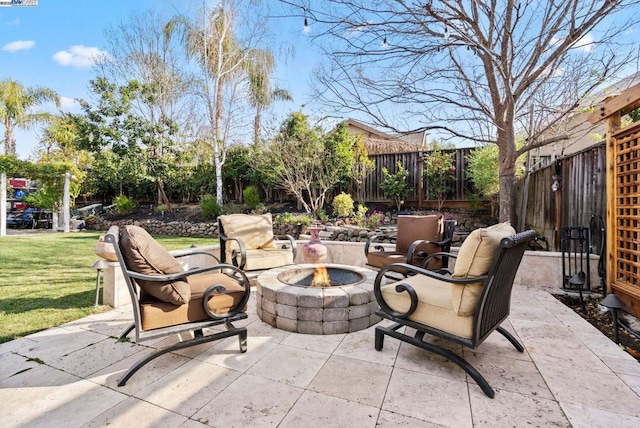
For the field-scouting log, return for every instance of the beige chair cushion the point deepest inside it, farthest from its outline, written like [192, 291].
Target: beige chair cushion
[435, 307]
[475, 259]
[145, 255]
[256, 231]
[105, 249]
[155, 313]
[268, 258]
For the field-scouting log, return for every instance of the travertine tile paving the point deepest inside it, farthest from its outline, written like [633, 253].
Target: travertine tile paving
[569, 375]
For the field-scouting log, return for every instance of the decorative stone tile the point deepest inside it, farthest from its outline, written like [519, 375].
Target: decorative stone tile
[287, 324]
[269, 306]
[127, 413]
[286, 311]
[334, 327]
[335, 298]
[288, 295]
[353, 380]
[310, 327]
[429, 398]
[289, 365]
[310, 314]
[336, 314]
[251, 401]
[359, 311]
[358, 324]
[583, 416]
[510, 409]
[319, 410]
[357, 295]
[310, 298]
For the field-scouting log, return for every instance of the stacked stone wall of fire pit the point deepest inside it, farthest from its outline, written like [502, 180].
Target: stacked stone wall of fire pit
[316, 310]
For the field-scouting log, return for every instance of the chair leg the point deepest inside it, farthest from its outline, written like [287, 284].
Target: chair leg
[461, 362]
[242, 338]
[128, 330]
[511, 339]
[197, 340]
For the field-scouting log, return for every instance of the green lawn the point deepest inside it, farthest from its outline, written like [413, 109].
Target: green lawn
[46, 279]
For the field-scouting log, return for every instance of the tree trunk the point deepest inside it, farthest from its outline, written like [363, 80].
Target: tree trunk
[507, 161]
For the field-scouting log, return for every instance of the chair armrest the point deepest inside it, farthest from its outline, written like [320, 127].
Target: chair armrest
[400, 286]
[202, 253]
[291, 243]
[179, 275]
[391, 236]
[411, 253]
[242, 251]
[439, 254]
[220, 289]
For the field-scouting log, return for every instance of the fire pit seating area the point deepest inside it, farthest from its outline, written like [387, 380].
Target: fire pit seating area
[464, 308]
[416, 237]
[247, 241]
[168, 300]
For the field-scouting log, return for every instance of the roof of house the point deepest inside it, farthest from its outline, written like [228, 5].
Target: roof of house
[378, 142]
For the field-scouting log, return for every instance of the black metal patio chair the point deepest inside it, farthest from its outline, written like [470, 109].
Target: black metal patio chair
[464, 308]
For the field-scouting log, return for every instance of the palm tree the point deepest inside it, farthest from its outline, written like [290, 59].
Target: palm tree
[259, 66]
[16, 103]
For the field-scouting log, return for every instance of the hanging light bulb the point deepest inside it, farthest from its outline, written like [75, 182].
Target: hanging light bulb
[384, 42]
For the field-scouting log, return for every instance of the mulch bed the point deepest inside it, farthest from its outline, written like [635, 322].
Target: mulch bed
[602, 320]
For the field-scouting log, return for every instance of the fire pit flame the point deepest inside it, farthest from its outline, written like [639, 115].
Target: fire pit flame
[321, 277]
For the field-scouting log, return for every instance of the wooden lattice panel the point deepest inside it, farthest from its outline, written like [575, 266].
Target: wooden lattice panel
[627, 206]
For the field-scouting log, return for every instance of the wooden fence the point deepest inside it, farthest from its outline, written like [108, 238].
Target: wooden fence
[414, 163]
[581, 194]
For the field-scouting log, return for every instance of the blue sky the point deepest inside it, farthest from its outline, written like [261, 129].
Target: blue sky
[51, 45]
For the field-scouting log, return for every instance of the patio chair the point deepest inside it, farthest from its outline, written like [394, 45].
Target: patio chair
[416, 238]
[463, 308]
[247, 241]
[167, 300]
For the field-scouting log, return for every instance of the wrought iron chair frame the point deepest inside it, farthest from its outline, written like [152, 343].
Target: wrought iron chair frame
[196, 327]
[492, 308]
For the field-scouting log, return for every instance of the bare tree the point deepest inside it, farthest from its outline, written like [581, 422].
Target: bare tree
[138, 52]
[480, 70]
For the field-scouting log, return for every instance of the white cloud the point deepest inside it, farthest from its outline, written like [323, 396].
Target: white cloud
[585, 43]
[19, 45]
[12, 22]
[66, 102]
[79, 56]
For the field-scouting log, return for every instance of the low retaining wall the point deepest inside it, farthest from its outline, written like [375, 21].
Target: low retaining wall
[539, 269]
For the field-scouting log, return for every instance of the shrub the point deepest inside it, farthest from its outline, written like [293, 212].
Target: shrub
[323, 216]
[360, 215]
[124, 205]
[395, 186]
[440, 170]
[209, 207]
[161, 208]
[251, 197]
[343, 205]
[288, 218]
[375, 220]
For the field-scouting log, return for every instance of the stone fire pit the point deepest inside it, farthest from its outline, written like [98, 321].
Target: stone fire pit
[316, 310]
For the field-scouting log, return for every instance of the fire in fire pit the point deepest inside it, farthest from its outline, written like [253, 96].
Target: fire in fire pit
[321, 276]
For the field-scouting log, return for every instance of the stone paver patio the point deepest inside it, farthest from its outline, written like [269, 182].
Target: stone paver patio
[569, 375]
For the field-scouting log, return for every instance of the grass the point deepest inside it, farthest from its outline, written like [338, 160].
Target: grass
[46, 279]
